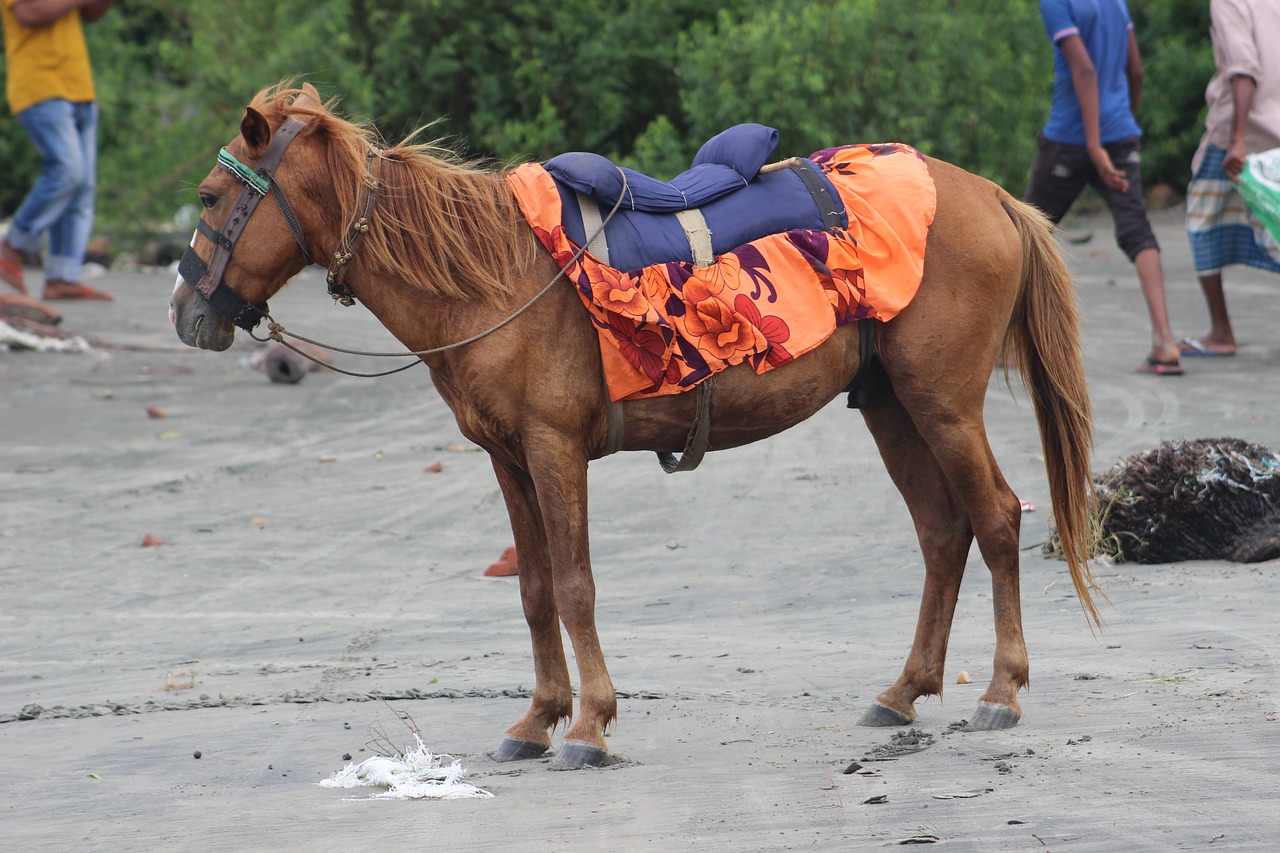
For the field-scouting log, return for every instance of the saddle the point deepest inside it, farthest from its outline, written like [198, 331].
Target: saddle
[727, 198]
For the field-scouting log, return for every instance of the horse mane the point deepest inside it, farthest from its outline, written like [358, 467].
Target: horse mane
[442, 223]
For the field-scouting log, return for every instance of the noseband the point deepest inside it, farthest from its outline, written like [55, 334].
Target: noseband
[209, 279]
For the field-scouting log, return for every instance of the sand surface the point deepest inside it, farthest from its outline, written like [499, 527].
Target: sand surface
[317, 580]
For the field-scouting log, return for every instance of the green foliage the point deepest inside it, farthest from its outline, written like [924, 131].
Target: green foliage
[953, 83]
[642, 81]
[512, 79]
[1174, 38]
[19, 163]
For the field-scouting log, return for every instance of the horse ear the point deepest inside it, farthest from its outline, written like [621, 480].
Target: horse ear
[310, 96]
[256, 131]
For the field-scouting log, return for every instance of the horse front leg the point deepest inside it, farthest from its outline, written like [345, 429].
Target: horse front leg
[560, 475]
[552, 691]
[942, 527]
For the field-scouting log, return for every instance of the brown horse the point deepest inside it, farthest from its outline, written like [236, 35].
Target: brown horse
[446, 256]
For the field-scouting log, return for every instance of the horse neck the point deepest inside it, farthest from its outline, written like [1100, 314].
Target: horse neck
[439, 301]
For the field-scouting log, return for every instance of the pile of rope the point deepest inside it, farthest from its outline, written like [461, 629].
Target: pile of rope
[1202, 499]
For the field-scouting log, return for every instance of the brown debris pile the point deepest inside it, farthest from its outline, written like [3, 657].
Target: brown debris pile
[1202, 499]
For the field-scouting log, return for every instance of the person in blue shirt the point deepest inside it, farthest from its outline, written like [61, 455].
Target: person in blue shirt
[1093, 138]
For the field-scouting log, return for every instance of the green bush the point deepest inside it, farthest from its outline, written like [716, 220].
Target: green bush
[958, 81]
[1177, 54]
[642, 81]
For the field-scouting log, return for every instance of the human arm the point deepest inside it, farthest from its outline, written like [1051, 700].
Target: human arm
[1238, 56]
[41, 13]
[1084, 79]
[1133, 72]
[95, 9]
[1243, 88]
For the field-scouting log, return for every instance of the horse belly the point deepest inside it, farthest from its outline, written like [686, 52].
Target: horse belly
[747, 406]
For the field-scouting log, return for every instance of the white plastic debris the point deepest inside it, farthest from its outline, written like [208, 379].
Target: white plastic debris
[11, 337]
[417, 774]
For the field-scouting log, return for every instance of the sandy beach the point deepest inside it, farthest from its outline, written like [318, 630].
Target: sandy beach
[317, 581]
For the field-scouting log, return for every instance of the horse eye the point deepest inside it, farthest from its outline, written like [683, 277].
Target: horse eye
[208, 200]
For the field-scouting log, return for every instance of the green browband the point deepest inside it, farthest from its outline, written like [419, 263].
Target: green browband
[247, 176]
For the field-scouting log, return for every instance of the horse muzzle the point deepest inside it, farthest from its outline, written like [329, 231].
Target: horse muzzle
[196, 323]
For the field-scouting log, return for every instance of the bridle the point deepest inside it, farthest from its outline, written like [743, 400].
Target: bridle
[212, 287]
[209, 279]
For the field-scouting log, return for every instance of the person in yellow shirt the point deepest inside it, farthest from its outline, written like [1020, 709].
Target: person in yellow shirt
[50, 89]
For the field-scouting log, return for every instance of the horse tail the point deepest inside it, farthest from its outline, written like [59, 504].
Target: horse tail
[1044, 338]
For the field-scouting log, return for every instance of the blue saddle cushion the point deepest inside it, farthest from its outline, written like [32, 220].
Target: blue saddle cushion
[738, 204]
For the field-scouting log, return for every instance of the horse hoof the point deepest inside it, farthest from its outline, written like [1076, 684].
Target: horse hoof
[519, 750]
[990, 717]
[883, 716]
[576, 754]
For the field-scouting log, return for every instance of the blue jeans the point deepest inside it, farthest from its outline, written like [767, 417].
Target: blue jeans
[61, 202]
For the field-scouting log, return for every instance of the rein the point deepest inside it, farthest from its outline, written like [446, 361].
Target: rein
[277, 332]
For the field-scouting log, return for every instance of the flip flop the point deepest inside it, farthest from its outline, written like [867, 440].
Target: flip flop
[1160, 368]
[11, 274]
[1199, 349]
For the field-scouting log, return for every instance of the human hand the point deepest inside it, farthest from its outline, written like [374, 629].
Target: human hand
[1111, 176]
[1233, 165]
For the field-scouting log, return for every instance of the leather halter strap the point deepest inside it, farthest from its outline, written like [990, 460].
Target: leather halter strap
[346, 253]
[208, 278]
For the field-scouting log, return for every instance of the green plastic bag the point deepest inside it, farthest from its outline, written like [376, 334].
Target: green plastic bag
[1260, 187]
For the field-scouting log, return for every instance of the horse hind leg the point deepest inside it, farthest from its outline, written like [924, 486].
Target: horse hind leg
[942, 527]
[997, 521]
[552, 692]
[957, 440]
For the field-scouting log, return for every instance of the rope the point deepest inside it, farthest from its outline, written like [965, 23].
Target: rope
[276, 332]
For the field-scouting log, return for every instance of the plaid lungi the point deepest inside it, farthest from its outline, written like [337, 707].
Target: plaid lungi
[1220, 226]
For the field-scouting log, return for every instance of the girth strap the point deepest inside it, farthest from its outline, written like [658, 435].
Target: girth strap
[699, 439]
[614, 422]
[870, 379]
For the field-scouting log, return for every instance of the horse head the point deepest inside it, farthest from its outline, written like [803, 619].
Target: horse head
[230, 271]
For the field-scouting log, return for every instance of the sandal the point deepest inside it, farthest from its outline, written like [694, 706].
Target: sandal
[11, 274]
[1160, 368]
[69, 290]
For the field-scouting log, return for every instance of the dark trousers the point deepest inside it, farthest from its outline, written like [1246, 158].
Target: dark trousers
[1060, 173]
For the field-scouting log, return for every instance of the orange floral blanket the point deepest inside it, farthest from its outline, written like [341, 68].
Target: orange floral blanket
[665, 328]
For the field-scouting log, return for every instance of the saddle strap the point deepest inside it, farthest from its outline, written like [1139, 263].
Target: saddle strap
[831, 209]
[699, 439]
[692, 221]
[597, 245]
[698, 235]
